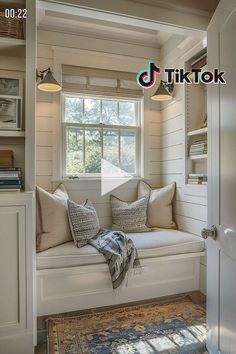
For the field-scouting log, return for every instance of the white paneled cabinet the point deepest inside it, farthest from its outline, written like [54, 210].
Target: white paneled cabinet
[17, 209]
[16, 273]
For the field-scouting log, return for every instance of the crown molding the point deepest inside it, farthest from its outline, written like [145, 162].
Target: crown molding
[140, 15]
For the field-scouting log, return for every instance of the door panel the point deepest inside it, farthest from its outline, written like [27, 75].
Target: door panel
[228, 125]
[12, 269]
[9, 268]
[221, 271]
[228, 137]
[227, 311]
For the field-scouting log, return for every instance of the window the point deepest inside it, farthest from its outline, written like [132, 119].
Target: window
[96, 128]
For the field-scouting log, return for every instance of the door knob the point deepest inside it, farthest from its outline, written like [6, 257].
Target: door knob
[211, 232]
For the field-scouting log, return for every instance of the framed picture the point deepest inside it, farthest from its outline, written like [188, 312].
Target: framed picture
[11, 84]
[10, 112]
[9, 87]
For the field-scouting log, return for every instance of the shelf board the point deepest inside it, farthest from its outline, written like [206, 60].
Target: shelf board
[196, 184]
[197, 132]
[6, 42]
[199, 190]
[12, 134]
[198, 157]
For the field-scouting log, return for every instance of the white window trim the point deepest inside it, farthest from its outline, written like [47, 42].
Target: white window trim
[60, 56]
[138, 135]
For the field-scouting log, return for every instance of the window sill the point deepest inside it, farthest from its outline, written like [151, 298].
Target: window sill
[75, 180]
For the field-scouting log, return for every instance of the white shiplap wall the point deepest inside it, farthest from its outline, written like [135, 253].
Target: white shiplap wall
[130, 56]
[190, 210]
[164, 133]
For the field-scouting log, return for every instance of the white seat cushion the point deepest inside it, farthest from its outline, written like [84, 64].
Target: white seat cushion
[157, 243]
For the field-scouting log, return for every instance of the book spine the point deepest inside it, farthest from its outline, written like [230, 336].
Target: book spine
[197, 180]
[10, 186]
[191, 175]
[10, 169]
[9, 177]
[9, 182]
[197, 153]
[10, 190]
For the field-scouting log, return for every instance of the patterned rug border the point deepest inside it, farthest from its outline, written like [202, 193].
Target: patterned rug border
[96, 311]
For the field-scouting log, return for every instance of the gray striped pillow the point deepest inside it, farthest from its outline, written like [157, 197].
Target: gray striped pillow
[84, 222]
[129, 216]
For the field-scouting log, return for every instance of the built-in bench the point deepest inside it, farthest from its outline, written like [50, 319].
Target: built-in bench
[71, 278]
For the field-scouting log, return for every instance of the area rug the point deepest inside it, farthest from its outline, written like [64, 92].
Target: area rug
[172, 327]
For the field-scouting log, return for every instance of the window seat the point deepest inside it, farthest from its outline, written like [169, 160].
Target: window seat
[71, 278]
[157, 243]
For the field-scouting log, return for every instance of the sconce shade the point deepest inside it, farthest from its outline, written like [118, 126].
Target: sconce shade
[48, 83]
[162, 93]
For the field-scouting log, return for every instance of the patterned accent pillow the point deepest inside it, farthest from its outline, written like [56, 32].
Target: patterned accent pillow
[129, 216]
[84, 222]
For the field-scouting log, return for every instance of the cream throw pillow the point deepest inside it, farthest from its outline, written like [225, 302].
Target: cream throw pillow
[129, 216]
[160, 211]
[53, 218]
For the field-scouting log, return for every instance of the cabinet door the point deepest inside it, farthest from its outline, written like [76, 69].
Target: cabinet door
[12, 270]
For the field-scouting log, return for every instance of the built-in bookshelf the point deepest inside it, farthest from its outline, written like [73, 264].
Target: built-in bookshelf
[18, 63]
[196, 126]
[17, 205]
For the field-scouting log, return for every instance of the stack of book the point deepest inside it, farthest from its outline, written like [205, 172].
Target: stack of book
[197, 178]
[198, 147]
[10, 179]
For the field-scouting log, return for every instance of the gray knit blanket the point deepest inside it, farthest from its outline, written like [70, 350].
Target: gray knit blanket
[119, 251]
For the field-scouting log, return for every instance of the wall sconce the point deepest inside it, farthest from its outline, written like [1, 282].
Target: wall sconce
[47, 83]
[163, 92]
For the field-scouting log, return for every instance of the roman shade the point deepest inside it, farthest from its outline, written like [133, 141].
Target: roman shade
[99, 81]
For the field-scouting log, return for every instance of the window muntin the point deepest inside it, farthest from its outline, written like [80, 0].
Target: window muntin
[100, 127]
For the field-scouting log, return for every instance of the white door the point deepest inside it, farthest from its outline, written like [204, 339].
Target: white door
[221, 278]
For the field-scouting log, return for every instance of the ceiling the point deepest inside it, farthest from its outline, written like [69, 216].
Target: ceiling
[195, 6]
[67, 23]
[98, 28]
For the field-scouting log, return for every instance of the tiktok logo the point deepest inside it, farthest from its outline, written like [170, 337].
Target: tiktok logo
[147, 78]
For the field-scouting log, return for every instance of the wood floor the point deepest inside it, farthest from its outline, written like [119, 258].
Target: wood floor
[196, 296]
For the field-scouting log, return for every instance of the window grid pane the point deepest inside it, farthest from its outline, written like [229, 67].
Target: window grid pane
[86, 146]
[92, 111]
[74, 151]
[127, 113]
[95, 111]
[111, 146]
[110, 112]
[93, 153]
[128, 150]
[73, 110]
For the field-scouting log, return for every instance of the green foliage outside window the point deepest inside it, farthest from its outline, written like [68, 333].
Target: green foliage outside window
[84, 144]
